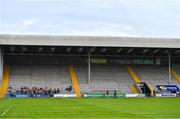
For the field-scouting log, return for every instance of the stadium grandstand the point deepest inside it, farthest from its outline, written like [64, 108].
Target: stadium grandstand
[88, 66]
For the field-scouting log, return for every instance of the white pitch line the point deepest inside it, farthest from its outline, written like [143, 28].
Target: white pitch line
[2, 114]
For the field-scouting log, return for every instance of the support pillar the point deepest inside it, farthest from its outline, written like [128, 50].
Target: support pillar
[169, 62]
[89, 68]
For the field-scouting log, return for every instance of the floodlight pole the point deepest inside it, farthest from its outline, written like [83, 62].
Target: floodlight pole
[89, 68]
[169, 58]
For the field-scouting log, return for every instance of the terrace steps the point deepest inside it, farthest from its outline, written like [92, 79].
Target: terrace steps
[5, 81]
[74, 80]
[175, 75]
[134, 89]
[136, 79]
[133, 74]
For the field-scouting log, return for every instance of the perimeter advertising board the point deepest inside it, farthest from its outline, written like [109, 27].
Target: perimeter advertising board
[168, 88]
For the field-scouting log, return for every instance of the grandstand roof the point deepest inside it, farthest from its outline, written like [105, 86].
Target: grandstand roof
[49, 40]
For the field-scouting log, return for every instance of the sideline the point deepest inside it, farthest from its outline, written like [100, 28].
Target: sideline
[2, 114]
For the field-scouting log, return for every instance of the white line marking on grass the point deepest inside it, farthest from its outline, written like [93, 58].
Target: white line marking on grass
[145, 116]
[2, 114]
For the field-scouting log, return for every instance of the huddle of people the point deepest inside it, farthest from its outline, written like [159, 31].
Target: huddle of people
[35, 91]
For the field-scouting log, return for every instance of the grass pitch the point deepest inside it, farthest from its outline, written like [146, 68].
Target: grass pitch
[90, 108]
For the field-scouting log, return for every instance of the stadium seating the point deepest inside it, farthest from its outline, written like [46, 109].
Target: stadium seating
[153, 75]
[176, 72]
[177, 69]
[51, 76]
[103, 78]
[133, 74]
[5, 80]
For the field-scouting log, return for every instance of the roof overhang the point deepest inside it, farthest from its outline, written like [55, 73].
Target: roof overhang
[90, 41]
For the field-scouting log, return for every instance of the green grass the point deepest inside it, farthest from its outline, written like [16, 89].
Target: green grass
[90, 108]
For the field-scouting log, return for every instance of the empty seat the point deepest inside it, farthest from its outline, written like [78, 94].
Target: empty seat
[154, 75]
[103, 78]
[51, 76]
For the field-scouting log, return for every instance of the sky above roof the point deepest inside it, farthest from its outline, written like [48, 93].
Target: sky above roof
[142, 18]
